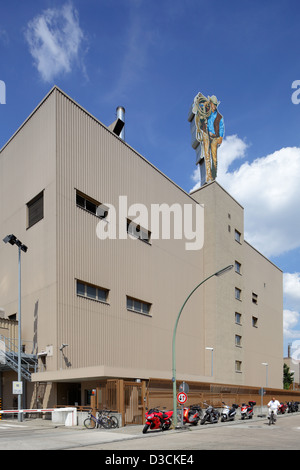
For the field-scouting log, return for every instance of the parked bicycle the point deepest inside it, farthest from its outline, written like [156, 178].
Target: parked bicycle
[102, 420]
[111, 418]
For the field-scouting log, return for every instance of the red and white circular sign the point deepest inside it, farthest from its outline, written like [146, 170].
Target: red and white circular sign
[181, 397]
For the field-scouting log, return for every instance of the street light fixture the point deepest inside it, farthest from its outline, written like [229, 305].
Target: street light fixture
[218, 273]
[266, 364]
[13, 240]
[64, 345]
[212, 360]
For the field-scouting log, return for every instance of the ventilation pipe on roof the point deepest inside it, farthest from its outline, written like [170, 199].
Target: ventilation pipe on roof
[121, 117]
[118, 126]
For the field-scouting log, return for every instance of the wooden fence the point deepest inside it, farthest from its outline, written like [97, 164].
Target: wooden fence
[159, 393]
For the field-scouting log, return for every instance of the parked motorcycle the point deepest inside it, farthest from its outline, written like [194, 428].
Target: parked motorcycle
[192, 415]
[247, 410]
[211, 415]
[292, 406]
[228, 413]
[156, 419]
[282, 408]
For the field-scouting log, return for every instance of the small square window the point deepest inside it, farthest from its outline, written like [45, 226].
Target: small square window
[237, 236]
[35, 210]
[91, 292]
[102, 295]
[237, 267]
[238, 318]
[80, 201]
[238, 293]
[137, 231]
[80, 288]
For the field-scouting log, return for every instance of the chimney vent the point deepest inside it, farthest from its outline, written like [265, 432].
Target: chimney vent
[121, 117]
[118, 126]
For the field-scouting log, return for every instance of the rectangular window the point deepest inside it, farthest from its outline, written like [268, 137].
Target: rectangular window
[238, 318]
[91, 205]
[35, 210]
[238, 366]
[137, 231]
[254, 298]
[238, 340]
[138, 306]
[238, 293]
[254, 322]
[237, 236]
[238, 267]
[92, 292]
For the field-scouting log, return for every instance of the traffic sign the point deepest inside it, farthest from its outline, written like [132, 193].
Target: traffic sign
[17, 388]
[184, 387]
[181, 397]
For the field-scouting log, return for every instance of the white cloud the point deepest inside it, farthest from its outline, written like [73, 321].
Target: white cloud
[291, 294]
[291, 288]
[268, 188]
[290, 322]
[55, 39]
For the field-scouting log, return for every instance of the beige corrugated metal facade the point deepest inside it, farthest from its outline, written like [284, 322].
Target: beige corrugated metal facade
[62, 151]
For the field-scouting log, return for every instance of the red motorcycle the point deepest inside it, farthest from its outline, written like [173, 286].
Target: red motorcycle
[247, 410]
[192, 415]
[156, 419]
[282, 408]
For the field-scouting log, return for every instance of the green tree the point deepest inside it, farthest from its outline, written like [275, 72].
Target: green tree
[288, 377]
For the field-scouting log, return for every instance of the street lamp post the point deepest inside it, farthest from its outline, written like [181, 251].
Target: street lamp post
[266, 364]
[12, 239]
[218, 273]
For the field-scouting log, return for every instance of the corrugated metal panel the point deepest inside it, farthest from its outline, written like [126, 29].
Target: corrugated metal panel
[27, 167]
[91, 159]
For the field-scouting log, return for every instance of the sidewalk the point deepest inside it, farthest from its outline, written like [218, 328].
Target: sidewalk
[125, 430]
[40, 434]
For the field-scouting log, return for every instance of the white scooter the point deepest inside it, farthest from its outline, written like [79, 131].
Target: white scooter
[228, 413]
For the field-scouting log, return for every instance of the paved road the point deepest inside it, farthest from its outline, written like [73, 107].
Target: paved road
[240, 435]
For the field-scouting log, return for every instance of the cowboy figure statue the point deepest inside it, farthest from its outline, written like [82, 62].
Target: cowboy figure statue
[209, 132]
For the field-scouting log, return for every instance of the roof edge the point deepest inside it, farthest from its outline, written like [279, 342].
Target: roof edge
[30, 115]
[56, 88]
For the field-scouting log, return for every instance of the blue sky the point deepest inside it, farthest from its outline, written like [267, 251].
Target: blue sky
[153, 57]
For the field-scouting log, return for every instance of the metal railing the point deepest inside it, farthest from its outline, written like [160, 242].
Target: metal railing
[9, 358]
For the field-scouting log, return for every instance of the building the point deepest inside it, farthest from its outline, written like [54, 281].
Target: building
[112, 255]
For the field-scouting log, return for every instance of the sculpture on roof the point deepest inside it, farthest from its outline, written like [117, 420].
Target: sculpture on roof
[207, 128]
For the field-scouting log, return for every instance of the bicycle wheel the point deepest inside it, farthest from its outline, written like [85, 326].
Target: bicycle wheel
[114, 421]
[105, 422]
[89, 423]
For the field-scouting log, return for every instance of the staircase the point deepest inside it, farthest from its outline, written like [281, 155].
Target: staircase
[9, 358]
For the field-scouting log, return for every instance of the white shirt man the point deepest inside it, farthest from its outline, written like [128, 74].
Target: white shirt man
[273, 405]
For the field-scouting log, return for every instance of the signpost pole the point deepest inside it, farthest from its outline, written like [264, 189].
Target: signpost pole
[218, 273]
